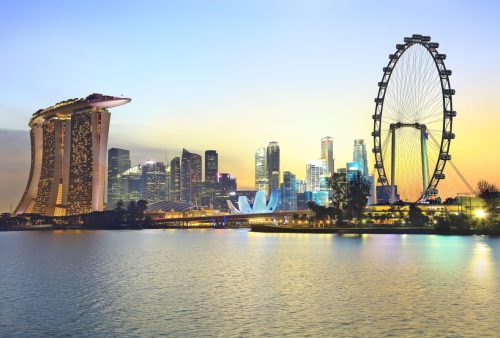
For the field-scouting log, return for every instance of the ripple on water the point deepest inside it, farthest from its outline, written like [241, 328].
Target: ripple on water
[220, 283]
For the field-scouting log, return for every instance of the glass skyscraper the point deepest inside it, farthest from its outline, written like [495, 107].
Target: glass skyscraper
[315, 170]
[153, 181]
[211, 166]
[191, 177]
[273, 165]
[359, 155]
[175, 179]
[261, 181]
[327, 154]
[118, 162]
[289, 192]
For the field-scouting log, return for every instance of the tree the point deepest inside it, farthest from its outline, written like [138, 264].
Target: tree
[488, 192]
[120, 206]
[357, 196]
[142, 206]
[416, 217]
[338, 199]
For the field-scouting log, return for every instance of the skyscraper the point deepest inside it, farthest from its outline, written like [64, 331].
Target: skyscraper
[190, 177]
[359, 155]
[153, 181]
[68, 157]
[273, 165]
[211, 166]
[352, 169]
[288, 192]
[130, 184]
[227, 184]
[261, 181]
[118, 162]
[175, 179]
[315, 170]
[327, 154]
[167, 181]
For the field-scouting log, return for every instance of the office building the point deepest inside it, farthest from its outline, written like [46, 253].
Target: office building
[327, 154]
[191, 173]
[261, 181]
[359, 155]
[211, 166]
[68, 157]
[352, 169]
[372, 198]
[153, 181]
[118, 162]
[227, 184]
[175, 179]
[288, 192]
[315, 169]
[273, 166]
[130, 184]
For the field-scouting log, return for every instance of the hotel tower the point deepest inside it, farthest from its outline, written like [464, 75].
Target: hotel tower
[68, 157]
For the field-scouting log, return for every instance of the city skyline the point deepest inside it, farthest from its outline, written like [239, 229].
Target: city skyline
[308, 96]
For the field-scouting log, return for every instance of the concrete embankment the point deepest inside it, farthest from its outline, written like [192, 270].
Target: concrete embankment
[358, 231]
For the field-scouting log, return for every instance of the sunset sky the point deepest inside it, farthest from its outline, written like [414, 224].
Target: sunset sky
[234, 75]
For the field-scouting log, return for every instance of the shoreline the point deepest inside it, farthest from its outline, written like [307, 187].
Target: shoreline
[264, 228]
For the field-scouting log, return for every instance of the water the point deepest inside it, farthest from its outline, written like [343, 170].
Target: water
[238, 283]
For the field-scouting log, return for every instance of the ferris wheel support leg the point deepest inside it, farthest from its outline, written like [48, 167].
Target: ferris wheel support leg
[393, 165]
[423, 149]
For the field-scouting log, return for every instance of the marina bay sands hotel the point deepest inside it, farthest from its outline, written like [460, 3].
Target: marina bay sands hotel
[68, 157]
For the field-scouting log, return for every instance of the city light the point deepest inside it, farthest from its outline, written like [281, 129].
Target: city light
[480, 213]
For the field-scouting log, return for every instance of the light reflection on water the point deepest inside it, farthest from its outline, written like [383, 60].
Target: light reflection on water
[234, 282]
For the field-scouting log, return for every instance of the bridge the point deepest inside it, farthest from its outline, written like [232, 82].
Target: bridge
[231, 221]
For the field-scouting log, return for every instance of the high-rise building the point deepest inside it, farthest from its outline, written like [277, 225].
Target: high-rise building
[68, 157]
[227, 183]
[288, 192]
[261, 181]
[359, 155]
[352, 169]
[273, 165]
[153, 181]
[191, 177]
[372, 198]
[315, 170]
[130, 184]
[327, 154]
[211, 166]
[175, 179]
[118, 162]
[167, 181]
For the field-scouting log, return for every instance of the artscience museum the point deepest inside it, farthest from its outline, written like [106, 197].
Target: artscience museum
[259, 206]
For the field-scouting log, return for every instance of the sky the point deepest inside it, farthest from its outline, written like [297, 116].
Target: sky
[235, 75]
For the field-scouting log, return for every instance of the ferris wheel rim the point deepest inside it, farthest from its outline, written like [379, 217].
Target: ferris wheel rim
[447, 113]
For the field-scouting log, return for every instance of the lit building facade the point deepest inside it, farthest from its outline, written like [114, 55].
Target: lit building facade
[118, 162]
[289, 192]
[359, 156]
[211, 166]
[353, 168]
[68, 157]
[191, 177]
[153, 181]
[261, 181]
[175, 179]
[130, 184]
[327, 154]
[273, 166]
[315, 170]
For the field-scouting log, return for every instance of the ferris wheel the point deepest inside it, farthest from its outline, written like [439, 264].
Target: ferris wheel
[413, 120]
